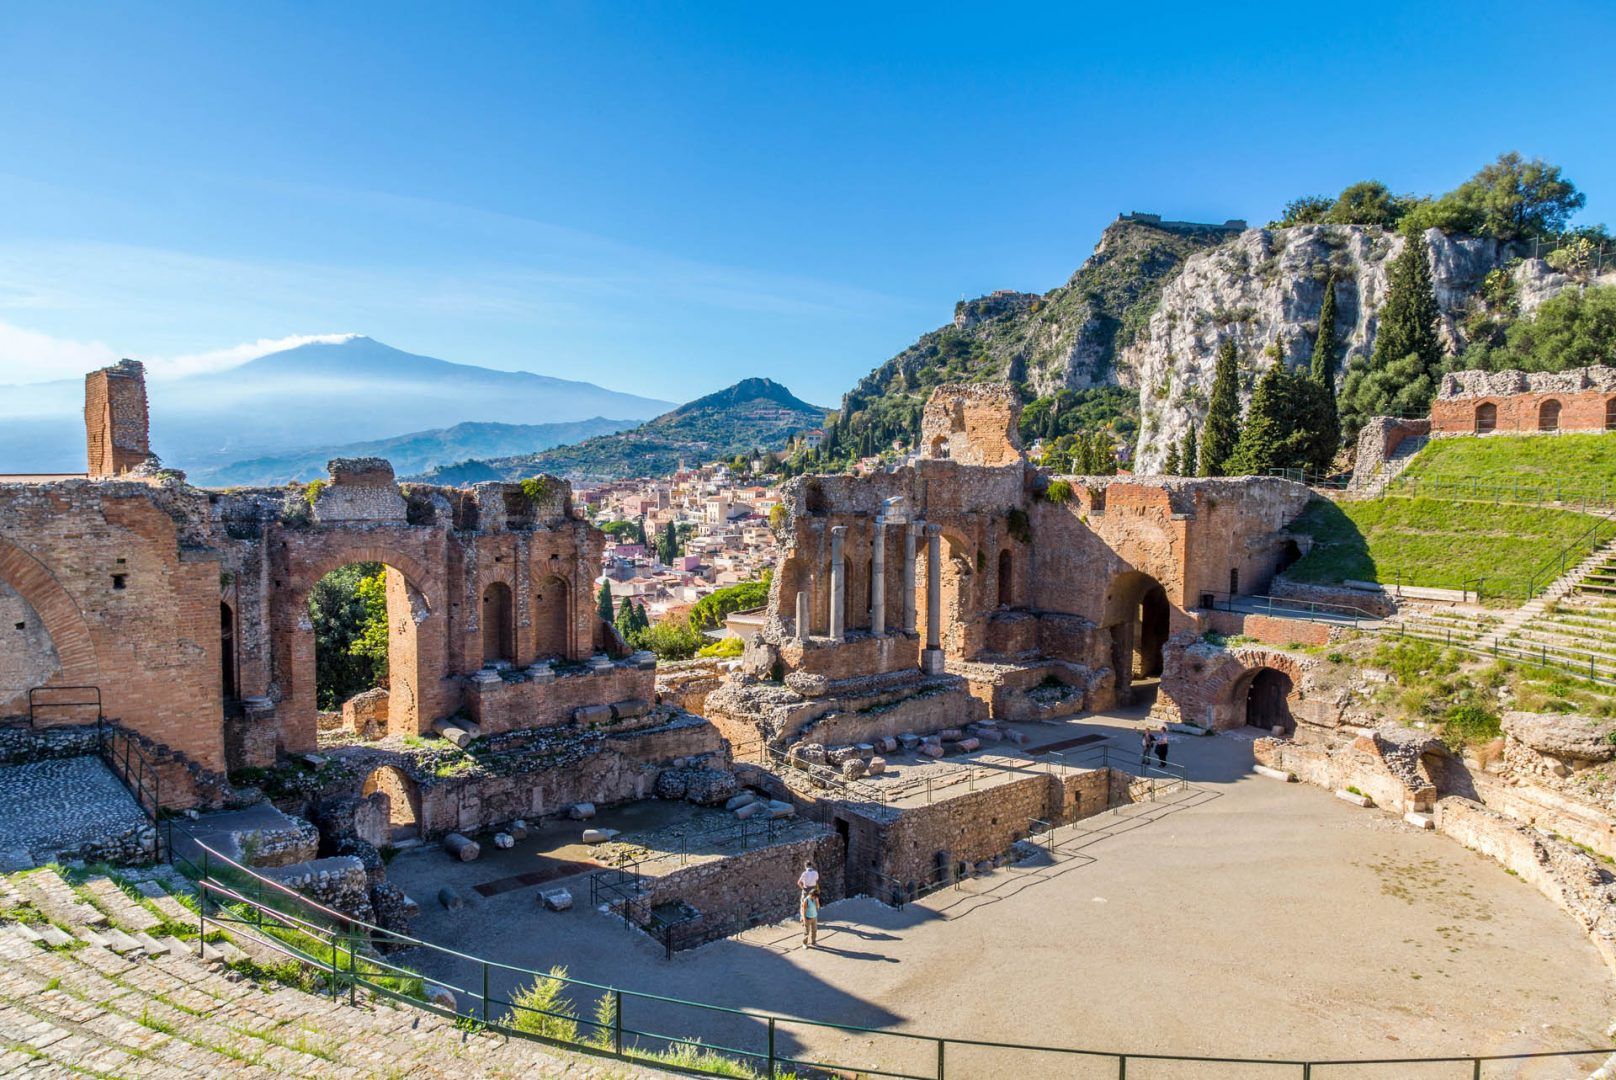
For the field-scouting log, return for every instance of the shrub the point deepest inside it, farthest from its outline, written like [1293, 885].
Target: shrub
[723, 648]
[311, 492]
[538, 489]
[544, 1010]
[1465, 725]
[1058, 492]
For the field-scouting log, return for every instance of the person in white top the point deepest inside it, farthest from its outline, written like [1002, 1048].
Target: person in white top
[809, 878]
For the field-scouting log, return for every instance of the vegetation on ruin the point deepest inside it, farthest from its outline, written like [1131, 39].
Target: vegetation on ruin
[1534, 466]
[538, 489]
[711, 610]
[1437, 543]
[1575, 328]
[348, 608]
[723, 649]
[1058, 492]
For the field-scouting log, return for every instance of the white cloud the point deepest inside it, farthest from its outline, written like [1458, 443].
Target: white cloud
[173, 367]
[28, 356]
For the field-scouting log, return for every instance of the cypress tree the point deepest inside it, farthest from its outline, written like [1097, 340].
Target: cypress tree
[1402, 373]
[1188, 453]
[1171, 466]
[626, 618]
[603, 602]
[1223, 414]
[1324, 344]
[1267, 429]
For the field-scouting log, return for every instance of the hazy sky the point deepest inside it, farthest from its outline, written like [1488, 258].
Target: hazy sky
[665, 199]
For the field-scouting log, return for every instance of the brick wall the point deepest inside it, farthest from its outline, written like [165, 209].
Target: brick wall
[506, 705]
[115, 419]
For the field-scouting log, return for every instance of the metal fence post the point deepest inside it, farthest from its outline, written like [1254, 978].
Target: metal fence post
[485, 991]
[1475, 1073]
[771, 1048]
[1122, 1067]
[940, 1044]
[617, 1022]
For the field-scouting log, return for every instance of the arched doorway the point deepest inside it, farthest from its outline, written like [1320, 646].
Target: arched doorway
[27, 653]
[1267, 694]
[499, 624]
[1486, 417]
[1007, 589]
[401, 803]
[227, 650]
[552, 615]
[1139, 616]
[1548, 416]
[1610, 414]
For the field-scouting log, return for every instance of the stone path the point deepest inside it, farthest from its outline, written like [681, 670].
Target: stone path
[47, 807]
[89, 995]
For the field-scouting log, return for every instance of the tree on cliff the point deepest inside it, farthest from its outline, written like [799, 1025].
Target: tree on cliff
[1510, 199]
[1223, 414]
[1187, 453]
[1400, 377]
[1285, 425]
[1172, 466]
[1323, 371]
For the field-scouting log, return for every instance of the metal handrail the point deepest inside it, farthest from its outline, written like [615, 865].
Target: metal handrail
[227, 905]
[1557, 565]
[1289, 606]
[34, 704]
[137, 772]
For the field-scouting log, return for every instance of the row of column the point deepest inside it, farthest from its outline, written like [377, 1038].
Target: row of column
[878, 583]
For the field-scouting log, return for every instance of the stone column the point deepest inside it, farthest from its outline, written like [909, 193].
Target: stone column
[931, 661]
[803, 625]
[838, 584]
[909, 535]
[878, 580]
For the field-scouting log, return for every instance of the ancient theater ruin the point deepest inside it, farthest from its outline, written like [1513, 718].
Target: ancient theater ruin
[943, 706]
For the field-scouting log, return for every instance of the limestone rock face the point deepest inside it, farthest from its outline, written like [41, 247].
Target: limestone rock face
[1264, 289]
[1579, 738]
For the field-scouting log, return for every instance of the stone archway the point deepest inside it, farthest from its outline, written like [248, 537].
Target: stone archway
[1265, 693]
[52, 645]
[1138, 616]
[394, 808]
[415, 641]
[552, 619]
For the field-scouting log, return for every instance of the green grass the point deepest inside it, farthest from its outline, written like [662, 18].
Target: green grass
[1537, 464]
[1437, 543]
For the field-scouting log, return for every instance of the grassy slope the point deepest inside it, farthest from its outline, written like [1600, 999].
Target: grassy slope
[1433, 542]
[1577, 463]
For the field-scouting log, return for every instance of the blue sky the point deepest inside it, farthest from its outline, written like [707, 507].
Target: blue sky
[667, 198]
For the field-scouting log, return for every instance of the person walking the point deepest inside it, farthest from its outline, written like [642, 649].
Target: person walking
[1161, 744]
[808, 909]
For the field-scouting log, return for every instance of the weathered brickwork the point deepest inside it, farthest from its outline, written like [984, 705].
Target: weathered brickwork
[1479, 402]
[115, 419]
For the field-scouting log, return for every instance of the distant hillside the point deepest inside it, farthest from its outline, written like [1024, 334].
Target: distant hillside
[1065, 340]
[754, 413]
[412, 453]
[314, 395]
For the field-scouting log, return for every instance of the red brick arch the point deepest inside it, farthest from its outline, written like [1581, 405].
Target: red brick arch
[69, 633]
[1226, 687]
[413, 697]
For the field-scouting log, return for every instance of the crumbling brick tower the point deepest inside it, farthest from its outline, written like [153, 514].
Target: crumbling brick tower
[972, 424]
[115, 418]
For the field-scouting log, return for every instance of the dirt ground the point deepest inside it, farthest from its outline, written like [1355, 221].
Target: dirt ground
[1245, 917]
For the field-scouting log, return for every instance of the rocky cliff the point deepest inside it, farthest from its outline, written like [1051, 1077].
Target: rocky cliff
[1067, 338]
[1264, 287]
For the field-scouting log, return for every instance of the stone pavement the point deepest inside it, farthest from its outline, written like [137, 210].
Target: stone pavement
[54, 806]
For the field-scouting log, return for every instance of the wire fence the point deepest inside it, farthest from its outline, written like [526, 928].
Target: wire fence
[343, 955]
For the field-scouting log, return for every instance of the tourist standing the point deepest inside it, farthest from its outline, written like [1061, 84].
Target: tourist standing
[809, 878]
[808, 909]
[1147, 740]
[1161, 744]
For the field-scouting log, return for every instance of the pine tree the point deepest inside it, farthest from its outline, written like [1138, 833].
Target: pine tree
[1188, 454]
[1223, 414]
[1328, 437]
[1267, 428]
[1171, 466]
[603, 602]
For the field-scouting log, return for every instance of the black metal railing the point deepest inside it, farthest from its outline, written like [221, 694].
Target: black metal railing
[44, 700]
[138, 773]
[348, 954]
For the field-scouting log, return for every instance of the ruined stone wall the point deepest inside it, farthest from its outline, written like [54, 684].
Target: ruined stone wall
[1268, 629]
[27, 656]
[115, 419]
[578, 694]
[1378, 440]
[1585, 396]
[128, 607]
[972, 424]
[748, 889]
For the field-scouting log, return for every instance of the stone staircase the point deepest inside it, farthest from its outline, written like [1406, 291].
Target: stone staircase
[1391, 467]
[98, 981]
[1538, 627]
[1462, 626]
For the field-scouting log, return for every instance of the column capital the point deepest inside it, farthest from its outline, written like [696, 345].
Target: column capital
[838, 530]
[933, 530]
